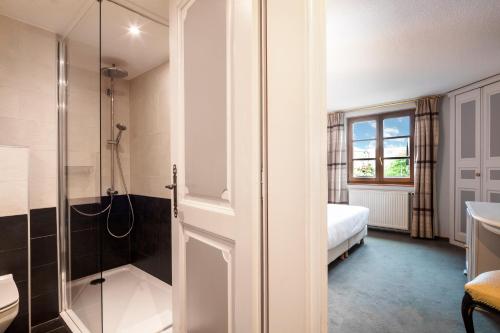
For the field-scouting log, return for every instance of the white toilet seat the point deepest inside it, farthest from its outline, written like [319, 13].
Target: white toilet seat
[9, 301]
[9, 307]
[8, 291]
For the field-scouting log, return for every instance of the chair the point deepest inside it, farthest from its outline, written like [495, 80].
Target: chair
[482, 292]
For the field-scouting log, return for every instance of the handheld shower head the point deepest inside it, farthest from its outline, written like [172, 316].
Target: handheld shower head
[121, 128]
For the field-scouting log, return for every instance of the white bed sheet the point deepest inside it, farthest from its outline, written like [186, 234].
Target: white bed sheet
[344, 221]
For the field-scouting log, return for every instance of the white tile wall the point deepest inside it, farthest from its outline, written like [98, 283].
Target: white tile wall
[122, 115]
[13, 180]
[150, 133]
[28, 113]
[28, 117]
[82, 121]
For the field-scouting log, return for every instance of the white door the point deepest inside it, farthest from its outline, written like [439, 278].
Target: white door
[491, 148]
[215, 146]
[468, 157]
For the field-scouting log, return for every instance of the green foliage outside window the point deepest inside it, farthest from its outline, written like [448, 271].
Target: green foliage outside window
[397, 168]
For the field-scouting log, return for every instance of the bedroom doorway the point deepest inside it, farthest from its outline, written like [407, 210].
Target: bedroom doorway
[397, 91]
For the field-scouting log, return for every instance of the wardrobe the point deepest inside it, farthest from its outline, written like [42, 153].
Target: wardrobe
[475, 150]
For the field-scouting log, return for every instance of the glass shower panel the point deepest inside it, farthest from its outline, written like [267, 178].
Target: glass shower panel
[81, 164]
[115, 210]
[135, 167]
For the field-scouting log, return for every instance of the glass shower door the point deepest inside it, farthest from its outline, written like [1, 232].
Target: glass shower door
[115, 209]
[80, 166]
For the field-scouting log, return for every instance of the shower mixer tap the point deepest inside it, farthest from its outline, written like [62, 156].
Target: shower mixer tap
[111, 191]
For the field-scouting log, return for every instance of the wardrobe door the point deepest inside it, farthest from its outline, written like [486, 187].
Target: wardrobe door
[491, 143]
[468, 157]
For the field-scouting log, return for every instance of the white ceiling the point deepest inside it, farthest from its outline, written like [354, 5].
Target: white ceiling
[386, 50]
[51, 15]
[78, 20]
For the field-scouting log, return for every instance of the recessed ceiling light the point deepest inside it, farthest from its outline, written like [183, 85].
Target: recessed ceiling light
[134, 30]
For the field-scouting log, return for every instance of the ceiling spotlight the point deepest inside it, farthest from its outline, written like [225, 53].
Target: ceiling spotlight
[134, 30]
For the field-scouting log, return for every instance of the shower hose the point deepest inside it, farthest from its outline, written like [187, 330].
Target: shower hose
[109, 207]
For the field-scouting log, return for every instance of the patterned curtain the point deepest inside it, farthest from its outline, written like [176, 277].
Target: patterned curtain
[337, 166]
[426, 142]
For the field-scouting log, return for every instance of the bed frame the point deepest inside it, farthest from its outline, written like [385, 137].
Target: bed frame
[343, 248]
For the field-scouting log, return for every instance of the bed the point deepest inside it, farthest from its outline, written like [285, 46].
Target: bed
[347, 226]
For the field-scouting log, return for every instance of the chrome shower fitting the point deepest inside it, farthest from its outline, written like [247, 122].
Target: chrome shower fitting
[116, 141]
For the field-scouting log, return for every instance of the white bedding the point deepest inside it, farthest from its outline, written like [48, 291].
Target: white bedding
[344, 221]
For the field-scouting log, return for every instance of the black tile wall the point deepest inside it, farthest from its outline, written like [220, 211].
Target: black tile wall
[20, 324]
[84, 230]
[44, 270]
[44, 307]
[14, 260]
[14, 232]
[43, 279]
[43, 250]
[92, 248]
[22, 288]
[151, 237]
[43, 222]
[148, 246]
[116, 251]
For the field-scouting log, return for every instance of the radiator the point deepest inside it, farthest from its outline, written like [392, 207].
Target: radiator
[388, 209]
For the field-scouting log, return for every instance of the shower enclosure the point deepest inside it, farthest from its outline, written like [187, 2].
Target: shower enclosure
[115, 238]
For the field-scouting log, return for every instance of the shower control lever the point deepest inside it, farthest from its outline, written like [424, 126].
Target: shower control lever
[174, 188]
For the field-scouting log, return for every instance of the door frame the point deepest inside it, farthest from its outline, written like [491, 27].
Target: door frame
[303, 183]
[309, 51]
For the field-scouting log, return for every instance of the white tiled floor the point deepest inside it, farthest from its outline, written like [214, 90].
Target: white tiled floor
[133, 301]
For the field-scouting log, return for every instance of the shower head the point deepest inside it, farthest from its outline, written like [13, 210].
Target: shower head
[121, 127]
[114, 72]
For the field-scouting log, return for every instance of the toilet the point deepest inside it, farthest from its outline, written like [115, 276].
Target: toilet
[9, 301]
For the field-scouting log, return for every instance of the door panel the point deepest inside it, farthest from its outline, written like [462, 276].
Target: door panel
[208, 282]
[468, 112]
[215, 145]
[491, 139]
[468, 156]
[463, 195]
[494, 197]
[205, 99]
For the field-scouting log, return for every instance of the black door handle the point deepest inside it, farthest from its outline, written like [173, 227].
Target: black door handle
[173, 187]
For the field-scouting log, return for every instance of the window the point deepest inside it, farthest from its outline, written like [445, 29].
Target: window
[380, 148]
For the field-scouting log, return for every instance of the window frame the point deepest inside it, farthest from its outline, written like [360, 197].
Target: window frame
[379, 178]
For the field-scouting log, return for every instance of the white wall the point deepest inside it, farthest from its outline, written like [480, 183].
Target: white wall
[14, 180]
[28, 114]
[150, 133]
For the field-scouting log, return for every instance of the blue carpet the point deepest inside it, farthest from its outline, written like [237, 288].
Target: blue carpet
[394, 283]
